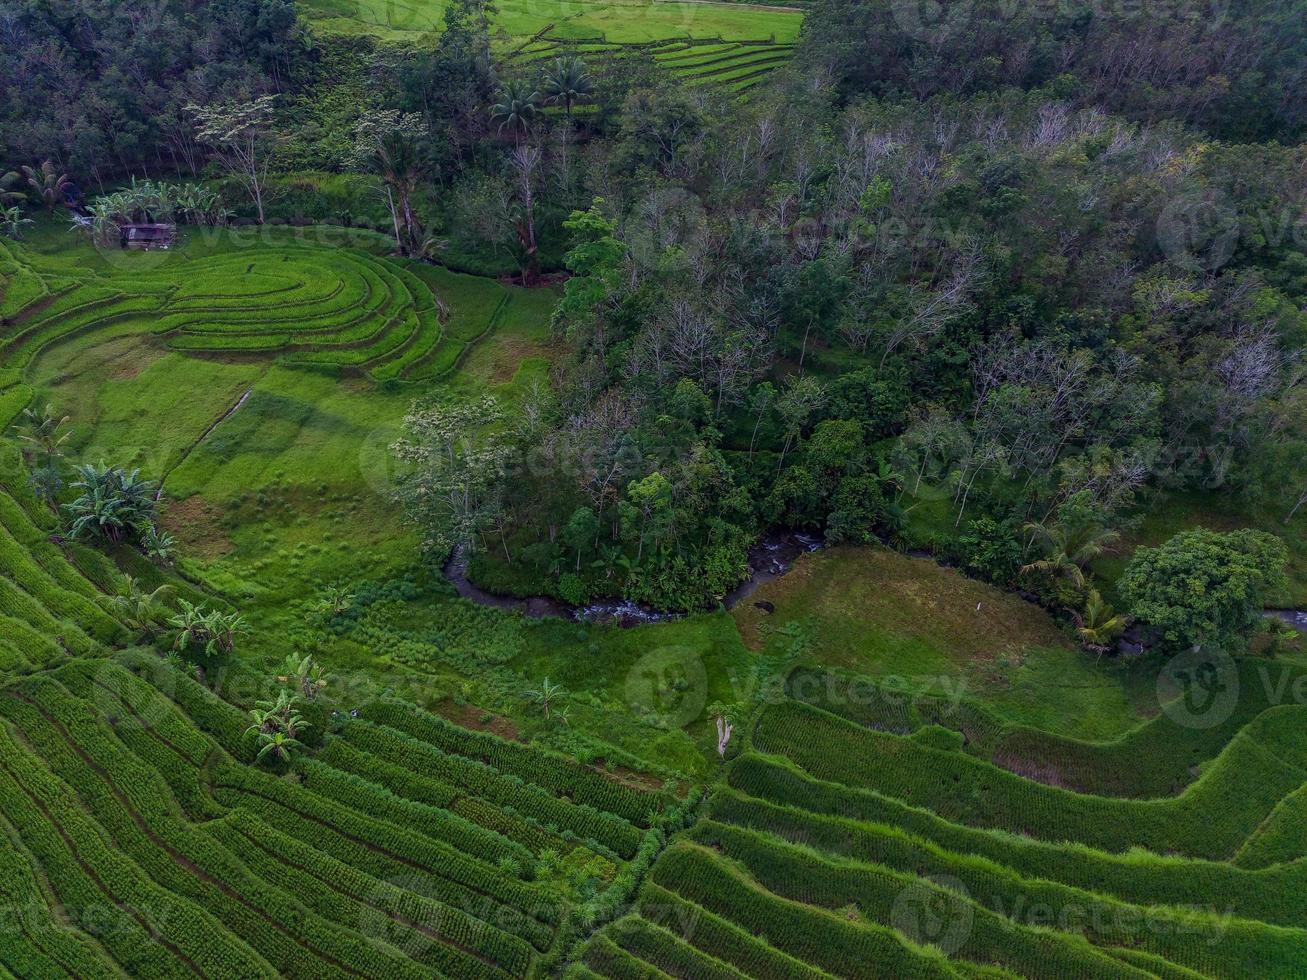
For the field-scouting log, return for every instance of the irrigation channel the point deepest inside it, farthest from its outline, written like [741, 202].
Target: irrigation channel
[770, 558]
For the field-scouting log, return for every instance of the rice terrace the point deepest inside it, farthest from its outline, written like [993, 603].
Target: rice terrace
[652, 490]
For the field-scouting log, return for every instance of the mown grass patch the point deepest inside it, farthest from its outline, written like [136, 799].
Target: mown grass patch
[876, 612]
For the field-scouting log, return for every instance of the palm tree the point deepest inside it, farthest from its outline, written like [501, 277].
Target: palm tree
[1099, 625]
[305, 674]
[566, 81]
[158, 544]
[40, 430]
[212, 630]
[516, 109]
[397, 162]
[101, 219]
[113, 506]
[546, 694]
[1068, 549]
[47, 183]
[281, 715]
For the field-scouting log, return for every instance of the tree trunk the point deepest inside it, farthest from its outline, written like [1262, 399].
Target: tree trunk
[724, 730]
[257, 190]
[394, 217]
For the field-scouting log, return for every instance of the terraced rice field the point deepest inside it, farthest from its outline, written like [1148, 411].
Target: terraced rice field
[49, 608]
[866, 836]
[333, 308]
[618, 21]
[734, 64]
[854, 831]
[130, 785]
[139, 840]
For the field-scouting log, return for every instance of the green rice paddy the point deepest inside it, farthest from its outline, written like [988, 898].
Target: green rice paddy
[616, 21]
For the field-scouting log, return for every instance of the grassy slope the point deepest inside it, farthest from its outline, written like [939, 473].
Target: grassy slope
[880, 613]
[287, 495]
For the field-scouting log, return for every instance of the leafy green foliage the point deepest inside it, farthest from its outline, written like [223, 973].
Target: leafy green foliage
[1204, 588]
[113, 506]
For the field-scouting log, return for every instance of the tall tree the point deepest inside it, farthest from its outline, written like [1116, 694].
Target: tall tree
[516, 109]
[397, 163]
[1203, 588]
[242, 138]
[47, 184]
[566, 82]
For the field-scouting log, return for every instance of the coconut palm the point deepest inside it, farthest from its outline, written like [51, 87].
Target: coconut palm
[566, 82]
[1067, 549]
[517, 107]
[1099, 626]
[398, 164]
[47, 183]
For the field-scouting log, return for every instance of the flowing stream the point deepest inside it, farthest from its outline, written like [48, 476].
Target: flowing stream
[771, 557]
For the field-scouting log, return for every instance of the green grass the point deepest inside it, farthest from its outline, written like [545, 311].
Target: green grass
[875, 612]
[617, 21]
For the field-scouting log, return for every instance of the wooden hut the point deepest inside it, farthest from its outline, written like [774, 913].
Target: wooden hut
[148, 236]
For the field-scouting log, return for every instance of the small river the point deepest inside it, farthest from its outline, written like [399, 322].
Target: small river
[773, 556]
